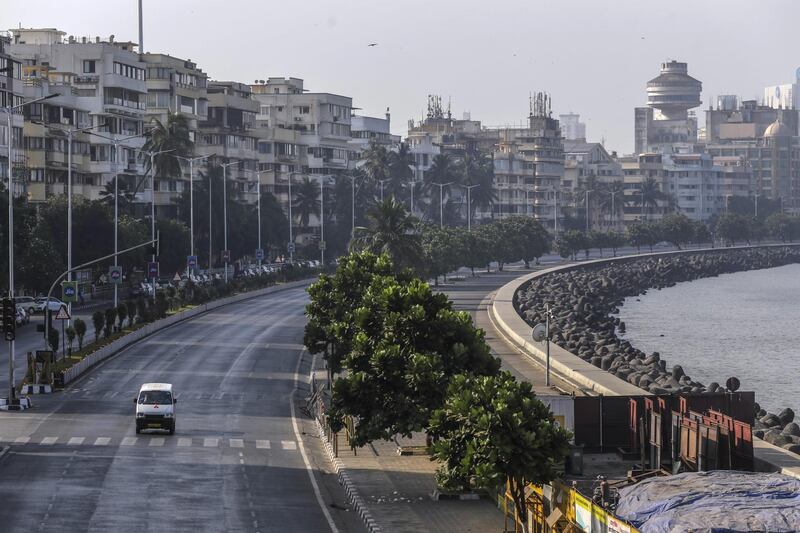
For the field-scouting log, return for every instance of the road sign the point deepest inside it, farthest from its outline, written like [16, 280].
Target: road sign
[115, 274]
[63, 314]
[290, 247]
[259, 254]
[177, 277]
[226, 256]
[191, 261]
[83, 276]
[152, 270]
[322, 245]
[69, 291]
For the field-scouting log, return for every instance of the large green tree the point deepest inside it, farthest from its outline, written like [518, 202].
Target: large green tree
[306, 201]
[172, 138]
[677, 229]
[392, 230]
[493, 429]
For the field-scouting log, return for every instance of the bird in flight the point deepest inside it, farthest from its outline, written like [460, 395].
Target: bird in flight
[372, 44]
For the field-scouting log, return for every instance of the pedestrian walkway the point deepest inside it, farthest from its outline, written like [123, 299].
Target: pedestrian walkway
[150, 441]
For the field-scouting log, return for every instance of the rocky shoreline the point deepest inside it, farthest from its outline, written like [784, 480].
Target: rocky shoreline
[584, 299]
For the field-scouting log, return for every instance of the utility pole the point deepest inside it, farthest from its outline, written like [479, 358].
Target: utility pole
[225, 211]
[469, 205]
[322, 220]
[141, 31]
[441, 202]
[191, 161]
[587, 209]
[291, 237]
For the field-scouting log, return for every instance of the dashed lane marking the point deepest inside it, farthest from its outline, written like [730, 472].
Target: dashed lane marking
[102, 441]
[236, 443]
[76, 441]
[288, 445]
[128, 441]
[184, 442]
[210, 443]
[22, 440]
[262, 444]
[49, 440]
[156, 441]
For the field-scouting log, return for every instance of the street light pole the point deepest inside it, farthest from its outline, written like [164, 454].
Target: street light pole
[413, 183]
[152, 156]
[191, 161]
[322, 220]
[469, 205]
[587, 209]
[441, 202]
[291, 237]
[225, 211]
[382, 182]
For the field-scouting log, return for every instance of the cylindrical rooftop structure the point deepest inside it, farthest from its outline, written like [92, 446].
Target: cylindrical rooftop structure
[673, 92]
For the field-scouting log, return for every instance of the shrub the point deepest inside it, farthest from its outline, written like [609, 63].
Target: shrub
[98, 320]
[80, 331]
[111, 317]
[70, 332]
[122, 314]
[131, 307]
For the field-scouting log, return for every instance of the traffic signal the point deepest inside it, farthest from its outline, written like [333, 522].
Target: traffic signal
[9, 319]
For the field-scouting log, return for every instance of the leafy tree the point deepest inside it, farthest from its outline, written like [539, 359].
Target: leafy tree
[70, 332]
[122, 314]
[492, 429]
[53, 339]
[110, 318]
[376, 162]
[174, 246]
[527, 239]
[409, 344]
[98, 320]
[125, 196]
[80, 331]
[569, 242]
[636, 235]
[400, 171]
[477, 250]
[615, 240]
[478, 169]
[391, 230]
[732, 227]
[598, 239]
[652, 234]
[40, 264]
[130, 311]
[441, 251]
[779, 225]
[700, 233]
[677, 229]
[650, 193]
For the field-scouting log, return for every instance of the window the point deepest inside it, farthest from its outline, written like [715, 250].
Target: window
[89, 66]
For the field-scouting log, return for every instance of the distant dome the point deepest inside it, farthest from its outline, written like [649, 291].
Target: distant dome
[778, 129]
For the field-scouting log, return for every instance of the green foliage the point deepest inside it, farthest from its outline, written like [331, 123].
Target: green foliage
[53, 338]
[172, 136]
[98, 320]
[80, 331]
[441, 249]
[161, 304]
[701, 233]
[141, 310]
[110, 318]
[390, 230]
[782, 226]
[526, 237]
[130, 311]
[732, 227]
[122, 314]
[492, 429]
[408, 345]
[570, 242]
[70, 333]
[677, 229]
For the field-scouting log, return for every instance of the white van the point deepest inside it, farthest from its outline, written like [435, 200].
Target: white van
[155, 407]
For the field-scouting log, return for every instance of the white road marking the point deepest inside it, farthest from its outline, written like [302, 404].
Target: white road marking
[128, 441]
[210, 443]
[262, 444]
[183, 442]
[237, 443]
[49, 440]
[22, 440]
[323, 507]
[76, 441]
[102, 441]
[156, 441]
[288, 445]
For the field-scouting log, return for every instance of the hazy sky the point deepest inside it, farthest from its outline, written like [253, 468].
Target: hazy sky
[593, 56]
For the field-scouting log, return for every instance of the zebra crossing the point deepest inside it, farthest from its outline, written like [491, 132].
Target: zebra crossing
[152, 441]
[184, 396]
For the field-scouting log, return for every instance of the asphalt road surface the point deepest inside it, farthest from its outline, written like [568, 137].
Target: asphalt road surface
[239, 460]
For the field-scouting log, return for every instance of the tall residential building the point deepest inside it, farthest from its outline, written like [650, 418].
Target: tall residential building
[572, 129]
[174, 86]
[586, 162]
[667, 120]
[733, 120]
[101, 84]
[365, 130]
[11, 94]
[229, 134]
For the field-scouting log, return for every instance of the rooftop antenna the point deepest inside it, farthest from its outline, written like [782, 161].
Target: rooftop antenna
[141, 31]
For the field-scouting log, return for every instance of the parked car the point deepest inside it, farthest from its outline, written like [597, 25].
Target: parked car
[29, 303]
[53, 304]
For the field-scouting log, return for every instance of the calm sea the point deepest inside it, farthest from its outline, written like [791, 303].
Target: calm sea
[745, 325]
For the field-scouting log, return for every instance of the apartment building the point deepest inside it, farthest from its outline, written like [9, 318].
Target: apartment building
[365, 130]
[11, 94]
[229, 134]
[586, 165]
[100, 84]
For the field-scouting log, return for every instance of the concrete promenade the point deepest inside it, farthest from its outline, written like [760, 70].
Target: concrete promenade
[583, 375]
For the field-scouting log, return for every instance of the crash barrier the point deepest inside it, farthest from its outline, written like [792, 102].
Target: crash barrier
[556, 508]
[92, 359]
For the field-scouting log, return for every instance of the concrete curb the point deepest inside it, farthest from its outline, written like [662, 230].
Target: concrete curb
[358, 502]
[120, 344]
[24, 403]
[36, 389]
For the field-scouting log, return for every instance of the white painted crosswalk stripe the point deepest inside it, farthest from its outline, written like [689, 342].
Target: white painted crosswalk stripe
[156, 441]
[288, 445]
[181, 442]
[210, 443]
[262, 444]
[49, 440]
[102, 441]
[236, 443]
[128, 441]
[184, 442]
[76, 441]
[22, 440]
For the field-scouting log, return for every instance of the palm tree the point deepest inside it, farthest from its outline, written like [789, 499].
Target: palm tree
[390, 229]
[306, 201]
[172, 135]
[376, 162]
[126, 196]
[479, 170]
[400, 172]
[650, 194]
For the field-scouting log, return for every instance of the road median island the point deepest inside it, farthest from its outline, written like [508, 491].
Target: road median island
[68, 369]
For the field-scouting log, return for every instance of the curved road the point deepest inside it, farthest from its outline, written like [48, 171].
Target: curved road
[235, 463]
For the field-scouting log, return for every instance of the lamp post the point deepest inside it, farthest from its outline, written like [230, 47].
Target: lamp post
[441, 201]
[291, 235]
[587, 209]
[322, 220]
[152, 156]
[469, 205]
[191, 161]
[225, 211]
[258, 204]
[412, 184]
[9, 139]
[613, 209]
[757, 195]
[541, 332]
[352, 177]
[382, 182]
[115, 142]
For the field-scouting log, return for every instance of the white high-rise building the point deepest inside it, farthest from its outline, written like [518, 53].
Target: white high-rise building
[572, 129]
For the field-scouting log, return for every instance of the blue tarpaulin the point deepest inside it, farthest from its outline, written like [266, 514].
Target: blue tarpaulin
[715, 501]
